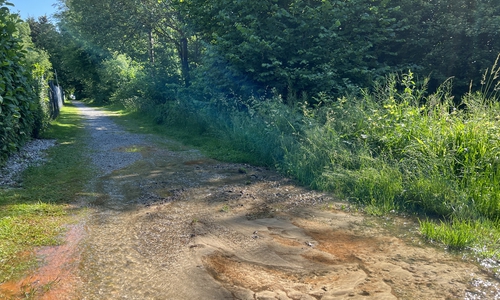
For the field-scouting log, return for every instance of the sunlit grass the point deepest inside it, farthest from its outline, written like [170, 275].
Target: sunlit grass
[455, 235]
[35, 215]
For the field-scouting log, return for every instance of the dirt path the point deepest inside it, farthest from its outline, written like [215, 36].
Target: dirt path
[176, 225]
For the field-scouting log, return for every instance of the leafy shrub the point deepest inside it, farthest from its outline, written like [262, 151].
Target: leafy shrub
[401, 147]
[20, 112]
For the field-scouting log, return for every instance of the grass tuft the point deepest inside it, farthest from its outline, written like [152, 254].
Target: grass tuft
[456, 235]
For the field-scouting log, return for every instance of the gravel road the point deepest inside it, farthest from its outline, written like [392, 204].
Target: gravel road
[106, 140]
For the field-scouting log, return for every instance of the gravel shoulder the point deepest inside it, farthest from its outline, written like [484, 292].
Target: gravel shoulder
[31, 154]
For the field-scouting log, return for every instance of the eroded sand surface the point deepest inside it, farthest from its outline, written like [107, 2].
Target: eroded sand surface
[205, 230]
[176, 225]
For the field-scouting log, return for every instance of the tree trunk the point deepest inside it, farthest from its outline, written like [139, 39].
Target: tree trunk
[184, 61]
[151, 48]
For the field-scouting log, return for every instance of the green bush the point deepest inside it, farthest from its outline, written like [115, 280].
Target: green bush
[20, 111]
[397, 146]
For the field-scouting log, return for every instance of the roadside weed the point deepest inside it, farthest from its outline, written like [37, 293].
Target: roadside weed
[456, 234]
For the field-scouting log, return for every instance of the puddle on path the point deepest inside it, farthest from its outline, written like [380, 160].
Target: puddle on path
[175, 225]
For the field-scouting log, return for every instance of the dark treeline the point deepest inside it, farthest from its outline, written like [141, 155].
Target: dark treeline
[295, 48]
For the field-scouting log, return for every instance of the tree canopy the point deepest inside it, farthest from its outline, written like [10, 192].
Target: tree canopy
[296, 48]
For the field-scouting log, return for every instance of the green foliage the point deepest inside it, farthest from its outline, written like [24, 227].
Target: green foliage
[21, 112]
[412, 151]
[295, 46]
[72, 65]
[150, 32]
[38, 59]
[38, 62]
[121, 78]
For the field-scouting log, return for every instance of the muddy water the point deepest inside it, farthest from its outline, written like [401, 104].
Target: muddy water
[176, 225]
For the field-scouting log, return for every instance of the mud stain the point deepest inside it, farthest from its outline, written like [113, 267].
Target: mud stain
[343, 245]
[56, 277]
[247, 280]
[300, 257]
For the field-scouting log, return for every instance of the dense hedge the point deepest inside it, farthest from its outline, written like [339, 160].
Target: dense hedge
[20, 109]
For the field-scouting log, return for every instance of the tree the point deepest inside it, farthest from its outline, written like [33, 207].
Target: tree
[46, 37]
[302, 46]
[138, 28]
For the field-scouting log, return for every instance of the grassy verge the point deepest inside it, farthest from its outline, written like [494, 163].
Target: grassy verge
[35, 214]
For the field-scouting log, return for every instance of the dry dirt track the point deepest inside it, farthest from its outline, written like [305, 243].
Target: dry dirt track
[175, 225]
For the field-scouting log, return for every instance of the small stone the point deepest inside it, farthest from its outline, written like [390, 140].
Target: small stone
[265, 295]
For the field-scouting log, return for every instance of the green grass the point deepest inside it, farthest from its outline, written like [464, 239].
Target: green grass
[35, 214]
[455, 235]
[481, 237]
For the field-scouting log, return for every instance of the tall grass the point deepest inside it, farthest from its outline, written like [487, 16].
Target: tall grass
[396, 149]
